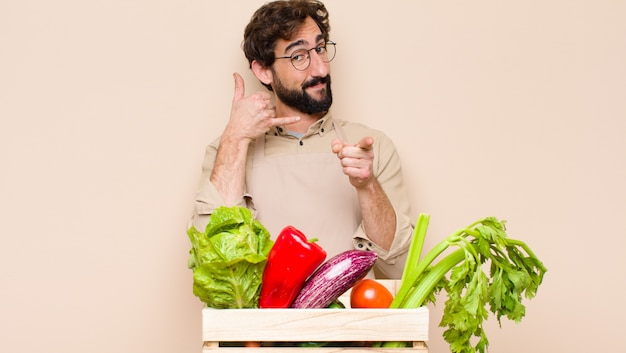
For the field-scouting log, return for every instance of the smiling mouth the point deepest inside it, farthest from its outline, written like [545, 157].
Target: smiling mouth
[317, 83]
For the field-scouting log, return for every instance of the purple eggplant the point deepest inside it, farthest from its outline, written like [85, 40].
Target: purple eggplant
[333, 278]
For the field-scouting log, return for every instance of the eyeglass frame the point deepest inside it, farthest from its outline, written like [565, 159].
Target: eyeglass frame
[308, 54]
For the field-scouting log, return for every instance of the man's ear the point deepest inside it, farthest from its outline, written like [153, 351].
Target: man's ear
[263, 73]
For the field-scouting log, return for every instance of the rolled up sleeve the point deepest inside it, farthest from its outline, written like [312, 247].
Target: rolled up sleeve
[391, 262]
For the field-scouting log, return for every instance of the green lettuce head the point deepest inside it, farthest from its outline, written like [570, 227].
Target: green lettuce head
[228, 259]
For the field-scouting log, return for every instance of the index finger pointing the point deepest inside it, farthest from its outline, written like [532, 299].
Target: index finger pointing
[365, 143]
[285, 120]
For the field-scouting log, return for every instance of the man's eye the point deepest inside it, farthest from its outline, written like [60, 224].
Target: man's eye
[298, 57]
[320, 50]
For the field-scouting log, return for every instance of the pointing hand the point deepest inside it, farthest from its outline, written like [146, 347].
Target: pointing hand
[356, 160]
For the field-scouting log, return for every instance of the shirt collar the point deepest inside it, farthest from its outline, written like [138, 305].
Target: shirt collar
[321, 127]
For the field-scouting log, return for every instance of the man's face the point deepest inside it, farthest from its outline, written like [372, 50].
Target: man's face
[306, 90]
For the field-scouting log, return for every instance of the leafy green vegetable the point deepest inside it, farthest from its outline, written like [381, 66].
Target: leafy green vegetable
[228, 259]
[514, 272]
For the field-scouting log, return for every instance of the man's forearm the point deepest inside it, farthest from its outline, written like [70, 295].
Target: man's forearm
[379, 217]
[229, 172]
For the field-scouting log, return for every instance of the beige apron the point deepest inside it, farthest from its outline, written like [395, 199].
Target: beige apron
[308, 191]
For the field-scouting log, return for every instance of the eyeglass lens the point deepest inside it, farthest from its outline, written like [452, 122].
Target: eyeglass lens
[301, 59]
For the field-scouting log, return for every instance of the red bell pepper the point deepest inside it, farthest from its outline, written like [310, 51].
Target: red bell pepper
[290, 262]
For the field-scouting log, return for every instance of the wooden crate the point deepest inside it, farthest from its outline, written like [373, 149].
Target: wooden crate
[221, 329]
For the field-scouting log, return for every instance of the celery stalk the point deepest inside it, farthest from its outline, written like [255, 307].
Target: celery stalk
[408, 285]
[431, 279]
[417, 243]
[411, 269]
[515, 272]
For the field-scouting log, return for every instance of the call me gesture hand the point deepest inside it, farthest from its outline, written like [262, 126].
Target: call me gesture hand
[252, 115]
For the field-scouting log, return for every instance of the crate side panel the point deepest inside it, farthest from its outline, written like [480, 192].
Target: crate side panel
[315, 324]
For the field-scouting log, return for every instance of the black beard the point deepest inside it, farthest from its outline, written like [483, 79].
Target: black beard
[299, 99]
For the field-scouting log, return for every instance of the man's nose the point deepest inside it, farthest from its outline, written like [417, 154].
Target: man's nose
[318, 67]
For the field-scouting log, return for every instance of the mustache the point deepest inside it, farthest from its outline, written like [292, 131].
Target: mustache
[315, 81]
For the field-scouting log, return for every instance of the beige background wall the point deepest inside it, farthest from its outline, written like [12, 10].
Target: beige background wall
[506, 108]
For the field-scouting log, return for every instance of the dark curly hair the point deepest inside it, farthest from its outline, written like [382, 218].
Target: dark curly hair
[280, 19]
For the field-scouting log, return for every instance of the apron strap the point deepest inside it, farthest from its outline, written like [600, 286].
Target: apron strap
[340, 132]
[259, 148]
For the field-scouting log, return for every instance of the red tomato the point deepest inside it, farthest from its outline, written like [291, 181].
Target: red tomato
[368, 293]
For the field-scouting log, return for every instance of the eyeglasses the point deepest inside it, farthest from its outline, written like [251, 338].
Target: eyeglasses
[301, 58]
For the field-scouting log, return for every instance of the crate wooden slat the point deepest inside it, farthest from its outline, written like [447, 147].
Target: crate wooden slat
[418, 347]
[316, 325]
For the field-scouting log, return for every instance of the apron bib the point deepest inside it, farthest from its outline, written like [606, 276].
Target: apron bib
[308, 191]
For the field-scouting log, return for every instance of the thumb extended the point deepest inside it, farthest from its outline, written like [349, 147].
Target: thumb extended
[240, 87]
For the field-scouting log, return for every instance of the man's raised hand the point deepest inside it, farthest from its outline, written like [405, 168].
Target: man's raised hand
[252, 115]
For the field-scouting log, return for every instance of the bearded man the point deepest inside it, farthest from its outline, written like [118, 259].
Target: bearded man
[286, 158]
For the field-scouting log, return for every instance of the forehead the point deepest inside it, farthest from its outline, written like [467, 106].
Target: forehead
[307, 35]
